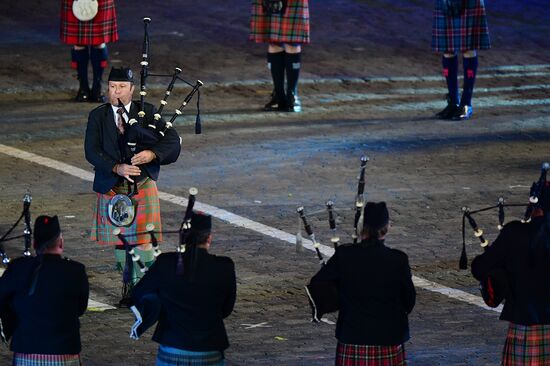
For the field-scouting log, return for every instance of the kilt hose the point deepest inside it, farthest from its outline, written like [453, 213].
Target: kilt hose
[169, 356]
[101, 29]
[29, 359]
[365, 355]
[148, 212]
[290, 27]
[466, 32]
[527, 345]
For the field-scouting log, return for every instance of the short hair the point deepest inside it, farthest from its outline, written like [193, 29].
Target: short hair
[198, 238]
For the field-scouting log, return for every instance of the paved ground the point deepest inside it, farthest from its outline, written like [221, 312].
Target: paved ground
[262, 166]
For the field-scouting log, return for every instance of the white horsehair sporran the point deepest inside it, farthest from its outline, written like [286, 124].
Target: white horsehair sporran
[85, 10]
[121, 210]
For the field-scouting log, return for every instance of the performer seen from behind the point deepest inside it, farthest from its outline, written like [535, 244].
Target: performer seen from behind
[44, 296]
[284, 26]
[522, 253]
[194, 302]
[115, 166]
[459, 27]
[375, 295]
[88, 26]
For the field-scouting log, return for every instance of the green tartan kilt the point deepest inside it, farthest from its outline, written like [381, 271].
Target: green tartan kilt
[148, 212]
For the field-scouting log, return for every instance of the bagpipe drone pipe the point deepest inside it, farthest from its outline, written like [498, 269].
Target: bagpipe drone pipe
[323, 296]
[495, 286]
[7, 316]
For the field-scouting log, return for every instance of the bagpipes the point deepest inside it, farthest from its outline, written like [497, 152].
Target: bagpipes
[323, 296]
[147, 311]
[133, 258]
[7, 316]
[139, 137]
[494, 288]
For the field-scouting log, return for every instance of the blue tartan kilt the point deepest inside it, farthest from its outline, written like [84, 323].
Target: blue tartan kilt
[466, 32]
[169, 356]
[29, 359]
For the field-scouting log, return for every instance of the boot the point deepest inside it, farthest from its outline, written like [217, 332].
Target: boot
[276, 63]
[80, 63]
[292, 66]
[98, 57]
[448, 111]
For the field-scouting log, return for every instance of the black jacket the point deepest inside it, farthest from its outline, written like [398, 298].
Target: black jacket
[528, 299]
[102, 148]
[375, 292]
[192, 312]
[47, 321]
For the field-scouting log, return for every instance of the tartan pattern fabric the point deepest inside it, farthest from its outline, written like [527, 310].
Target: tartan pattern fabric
[30, 359]
[168, 356]
[101, 29]
[458, 34]
[290, 27]
[527, 345]
[366, 355]
[148, 212]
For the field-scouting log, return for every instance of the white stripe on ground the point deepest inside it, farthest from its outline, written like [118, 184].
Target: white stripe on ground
[233, 219]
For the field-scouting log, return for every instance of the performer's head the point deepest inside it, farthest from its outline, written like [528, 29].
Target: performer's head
[375, 221]
[200, 234]
[121, 85]
[47, 235]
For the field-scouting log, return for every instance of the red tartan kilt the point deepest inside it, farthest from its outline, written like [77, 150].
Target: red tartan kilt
[290, 27]
[527, 345]
[366, 355]
[101, 29]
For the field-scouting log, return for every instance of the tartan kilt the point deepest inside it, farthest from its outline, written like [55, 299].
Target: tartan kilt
[168, 356]
[366, 355]
[101, 29]
[148, 212]
[464, 33]
[527, 345]
[29, 359]
[290, 27]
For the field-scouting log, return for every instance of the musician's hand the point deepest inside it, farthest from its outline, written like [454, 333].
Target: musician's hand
[143, 157]
[125, 170]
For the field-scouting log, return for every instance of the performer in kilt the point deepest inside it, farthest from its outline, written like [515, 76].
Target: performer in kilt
[522, 252]
[193, 302]
[459, 26]
[89, 40]
[47, 294]
[284, 25]
[105, 147]
[375, 294]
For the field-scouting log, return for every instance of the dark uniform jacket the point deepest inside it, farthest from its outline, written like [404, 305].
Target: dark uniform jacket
[375, 292]
[47, 321]
[192, 312]
[102, 147]
[528, 298]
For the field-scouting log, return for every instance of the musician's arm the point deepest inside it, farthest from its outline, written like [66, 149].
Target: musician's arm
[7, 282]
[229, 302]
[407, 286]
[84, 292]
[93, 147]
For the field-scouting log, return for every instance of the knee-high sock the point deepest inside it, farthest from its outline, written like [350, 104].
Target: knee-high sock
[292, 66]
[80, 63]
[450, 71]
[276, 64]
[470, 71]
[98, 58]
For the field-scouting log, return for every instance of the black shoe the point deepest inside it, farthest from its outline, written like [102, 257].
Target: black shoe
[275, 105]
[97, 97]
[462, 113]
[125, 302]
[293, 103]
[83, 95]
[447, 112]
